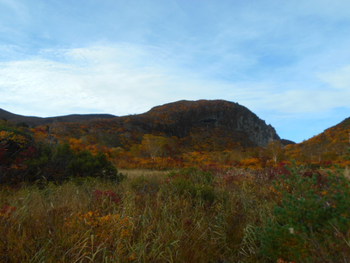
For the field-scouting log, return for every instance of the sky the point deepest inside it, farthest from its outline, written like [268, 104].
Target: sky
[287, 61]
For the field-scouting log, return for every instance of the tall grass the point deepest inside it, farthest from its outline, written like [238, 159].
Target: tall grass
[184, 216]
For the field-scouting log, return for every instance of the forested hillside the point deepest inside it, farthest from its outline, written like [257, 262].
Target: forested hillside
[331, 145]
[189, 133]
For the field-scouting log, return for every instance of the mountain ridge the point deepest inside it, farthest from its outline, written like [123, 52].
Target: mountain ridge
[195, 120]
[36, 121]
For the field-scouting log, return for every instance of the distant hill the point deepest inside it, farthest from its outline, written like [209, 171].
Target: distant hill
[35, 121]
[333, 143]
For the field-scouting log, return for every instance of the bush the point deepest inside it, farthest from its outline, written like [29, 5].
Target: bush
[24, 160]
[194, 175]
[311, 219]
[60, 162]
[13, 145]
[193, 182]
[16, 147]
[145, 185]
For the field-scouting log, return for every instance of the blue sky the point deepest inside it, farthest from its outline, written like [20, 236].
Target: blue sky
[287, 61]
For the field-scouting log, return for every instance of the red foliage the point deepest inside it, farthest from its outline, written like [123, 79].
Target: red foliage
[2, 153]
[7, 210]
[109, 194]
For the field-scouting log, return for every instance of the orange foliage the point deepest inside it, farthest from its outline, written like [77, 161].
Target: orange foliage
[252, 163]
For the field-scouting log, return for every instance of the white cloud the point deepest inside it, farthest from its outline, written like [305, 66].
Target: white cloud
[102, 79]
[338, 79]
[300, 101]
[126, 79]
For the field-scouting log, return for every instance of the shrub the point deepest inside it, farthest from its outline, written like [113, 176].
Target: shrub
[16, 147]
[13, 143]
[194, 175]
[23, 160]
[193, 182]
[145, 185]
[60, 162]
[311, 216]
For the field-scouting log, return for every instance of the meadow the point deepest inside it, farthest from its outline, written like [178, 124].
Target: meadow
[281, 214]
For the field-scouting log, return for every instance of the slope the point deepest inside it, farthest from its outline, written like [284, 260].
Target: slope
[35, 121]
[332, 144]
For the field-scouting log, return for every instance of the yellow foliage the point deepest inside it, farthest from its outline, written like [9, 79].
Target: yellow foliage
[253, 163]
[8, 135]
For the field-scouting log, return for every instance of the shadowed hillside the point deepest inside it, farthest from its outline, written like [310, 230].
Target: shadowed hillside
[35, 121]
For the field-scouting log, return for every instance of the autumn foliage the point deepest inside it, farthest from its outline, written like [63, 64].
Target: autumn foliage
[25, 159]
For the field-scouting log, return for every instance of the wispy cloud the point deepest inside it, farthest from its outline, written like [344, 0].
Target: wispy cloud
[339, 79]
[128, 79]
[120, 80]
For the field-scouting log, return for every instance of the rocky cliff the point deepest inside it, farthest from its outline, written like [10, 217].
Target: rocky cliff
[184, 117]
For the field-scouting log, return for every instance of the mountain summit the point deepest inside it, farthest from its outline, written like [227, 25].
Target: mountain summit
[212, 117]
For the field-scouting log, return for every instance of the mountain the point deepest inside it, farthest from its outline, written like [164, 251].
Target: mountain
[35, 121]
[211, 118]
[201, 125]
[332, 144]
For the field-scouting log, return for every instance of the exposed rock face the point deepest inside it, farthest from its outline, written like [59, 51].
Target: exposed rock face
[184, 117]
[287, 142]
[257, 130]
